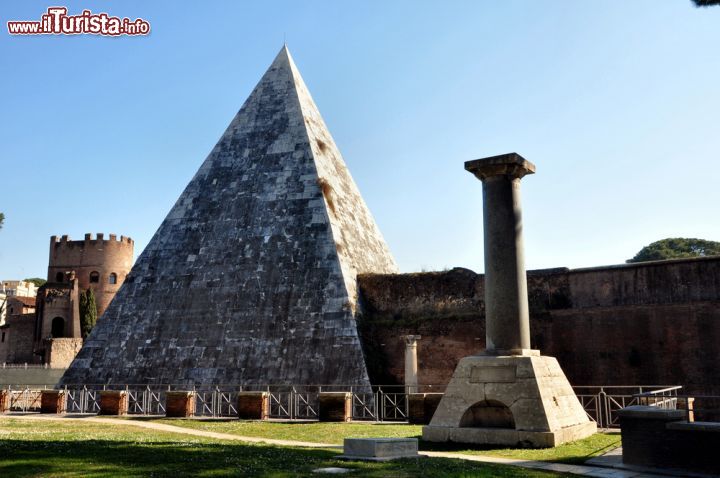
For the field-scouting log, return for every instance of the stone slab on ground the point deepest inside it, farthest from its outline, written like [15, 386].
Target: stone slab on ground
[332, 470]
[379, 449]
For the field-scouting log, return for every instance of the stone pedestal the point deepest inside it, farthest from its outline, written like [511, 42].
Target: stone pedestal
[53, 401]
[335, 406]
[253, 405]
[113, 402]
[180, 404]
[509, 400]
[422, 406]
[4, 401]
[509, 395]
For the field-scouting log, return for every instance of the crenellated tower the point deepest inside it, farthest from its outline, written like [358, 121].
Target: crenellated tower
[98, 263]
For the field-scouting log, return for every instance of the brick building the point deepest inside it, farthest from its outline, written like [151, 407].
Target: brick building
[14, 288]
[16, 334]
[46, 328]
[75, 266]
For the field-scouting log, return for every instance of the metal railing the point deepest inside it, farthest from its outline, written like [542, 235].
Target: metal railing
[26, 366]
[146, 401]
[376, 403]
[601, 403]
[697, 407]
[24, 400]
[666, 398]
[215, 402]
[82, 400]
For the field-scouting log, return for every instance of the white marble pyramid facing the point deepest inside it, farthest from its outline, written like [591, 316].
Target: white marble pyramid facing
[251, 277]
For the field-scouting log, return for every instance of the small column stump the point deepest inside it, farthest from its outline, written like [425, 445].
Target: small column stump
[253, 405]
[180, 404]
[335, 406]
[113, 402]
[4, 401]
[422, 406]
[53, 401]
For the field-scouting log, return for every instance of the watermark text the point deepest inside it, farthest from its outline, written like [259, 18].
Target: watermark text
[57, 22]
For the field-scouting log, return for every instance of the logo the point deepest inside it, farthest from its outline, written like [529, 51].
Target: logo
[57, 22]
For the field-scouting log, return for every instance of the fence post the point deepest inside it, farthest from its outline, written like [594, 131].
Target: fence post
[604, 408]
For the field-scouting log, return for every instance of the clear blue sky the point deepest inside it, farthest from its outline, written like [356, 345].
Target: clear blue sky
[616, 102]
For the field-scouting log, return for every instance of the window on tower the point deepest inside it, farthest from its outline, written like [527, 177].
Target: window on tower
[112, 279]
[94, 277]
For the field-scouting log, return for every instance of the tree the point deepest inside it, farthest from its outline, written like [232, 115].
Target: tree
[706, 3]
[88, 312]
[39, 282]
[2, 219]
[676, 248]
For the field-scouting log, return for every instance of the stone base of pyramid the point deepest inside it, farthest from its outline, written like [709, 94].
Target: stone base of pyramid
[523, 401]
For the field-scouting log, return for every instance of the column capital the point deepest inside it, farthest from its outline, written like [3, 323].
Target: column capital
[411, 340]
[511, 164]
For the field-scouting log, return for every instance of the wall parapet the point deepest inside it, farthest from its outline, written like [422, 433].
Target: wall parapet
[89, 237]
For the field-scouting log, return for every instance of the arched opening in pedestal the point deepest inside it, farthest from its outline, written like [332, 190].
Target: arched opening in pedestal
[488, 414]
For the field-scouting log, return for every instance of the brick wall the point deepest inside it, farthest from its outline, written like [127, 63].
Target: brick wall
[651, 323]
[93, 254]
[16, 346]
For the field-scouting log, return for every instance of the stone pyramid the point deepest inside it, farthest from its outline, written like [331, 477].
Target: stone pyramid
[251, 277]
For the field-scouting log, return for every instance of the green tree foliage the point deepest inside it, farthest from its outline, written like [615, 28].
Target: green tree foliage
[2, 219]
[88, 312]
[677, 248]
[39, 282]
[706, 3]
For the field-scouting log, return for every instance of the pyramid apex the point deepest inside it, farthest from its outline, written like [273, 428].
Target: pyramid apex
[284, 53]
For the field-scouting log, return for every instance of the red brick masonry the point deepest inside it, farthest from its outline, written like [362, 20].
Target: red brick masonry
[113, 402]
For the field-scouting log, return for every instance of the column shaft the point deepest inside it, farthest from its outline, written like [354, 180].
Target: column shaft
[506, 304]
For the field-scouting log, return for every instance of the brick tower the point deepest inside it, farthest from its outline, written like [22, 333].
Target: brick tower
[99, 264]
[252, 276]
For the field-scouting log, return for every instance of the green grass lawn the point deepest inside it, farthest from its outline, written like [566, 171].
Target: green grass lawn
[64, 448]
[575, 452]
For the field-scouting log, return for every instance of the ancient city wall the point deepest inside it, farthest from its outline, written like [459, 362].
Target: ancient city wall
[59, 353]
[16, 339]
[650, 323]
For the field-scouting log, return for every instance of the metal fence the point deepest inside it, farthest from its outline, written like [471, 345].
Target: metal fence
[25, 400]
[215, 402]
[601, 403]
[26, 366]
[83, 400]
[377, 403]
[697, 407]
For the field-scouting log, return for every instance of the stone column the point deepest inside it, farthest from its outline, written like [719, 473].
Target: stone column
[411, 363]
[507, 319]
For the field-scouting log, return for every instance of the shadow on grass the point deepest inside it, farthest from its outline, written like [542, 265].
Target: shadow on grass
[24, 458]
[571, 453]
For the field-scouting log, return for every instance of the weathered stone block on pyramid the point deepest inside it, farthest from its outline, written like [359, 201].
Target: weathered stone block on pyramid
[251, 278]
